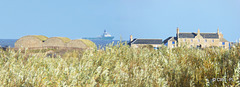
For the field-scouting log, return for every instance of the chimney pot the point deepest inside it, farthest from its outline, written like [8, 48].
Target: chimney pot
[131, 38]
[198, 31]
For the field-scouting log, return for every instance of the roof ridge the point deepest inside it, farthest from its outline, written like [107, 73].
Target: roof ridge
[134, 40]
[152, 39]
[196, 32]
[147, 41]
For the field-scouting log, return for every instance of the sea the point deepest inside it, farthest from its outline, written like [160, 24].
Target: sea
[100, 43]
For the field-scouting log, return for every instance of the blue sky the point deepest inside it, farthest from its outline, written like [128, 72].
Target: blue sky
[141, 18]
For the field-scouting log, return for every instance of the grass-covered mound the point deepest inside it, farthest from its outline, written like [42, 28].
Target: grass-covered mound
[121, 65]
[31, 41]
[81, 43]
[89, 43]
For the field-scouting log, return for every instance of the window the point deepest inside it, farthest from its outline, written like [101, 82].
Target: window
[223, 43]
[166, 44]
[212, 40]
[198, 40]
[184, 40]
[173, 46]
[173, 42]
[205, 40]
[191, 40]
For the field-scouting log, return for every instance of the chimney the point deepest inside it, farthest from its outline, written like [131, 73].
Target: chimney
[177, 32]
[198, 32]
[131, 38]
[220, 35]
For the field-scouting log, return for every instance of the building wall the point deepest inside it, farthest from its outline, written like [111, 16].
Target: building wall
[224, 44]
[171, 44]
[141, 45]
[194, 42]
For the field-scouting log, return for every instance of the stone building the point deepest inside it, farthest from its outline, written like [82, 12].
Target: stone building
[170, 42]
[136, 43]
[197, 40]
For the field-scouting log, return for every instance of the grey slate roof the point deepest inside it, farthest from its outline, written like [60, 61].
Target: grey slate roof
[147, 41]
[187, 35]
[204, 35]
[209, 35]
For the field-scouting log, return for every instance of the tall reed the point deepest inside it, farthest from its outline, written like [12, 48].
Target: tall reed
[121, 65]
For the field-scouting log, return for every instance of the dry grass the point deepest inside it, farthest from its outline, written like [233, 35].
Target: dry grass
[30, 41]
[122, 66]
[41, 37]
[81, 43]
[56, 42]
[64, 39]
[89, 43]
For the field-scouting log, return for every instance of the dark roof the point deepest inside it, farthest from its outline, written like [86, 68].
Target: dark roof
[147, 41]
[187, 35]
[209, 35]
[192, 35]
[234, 43]
[170, 38]
[130, 42]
